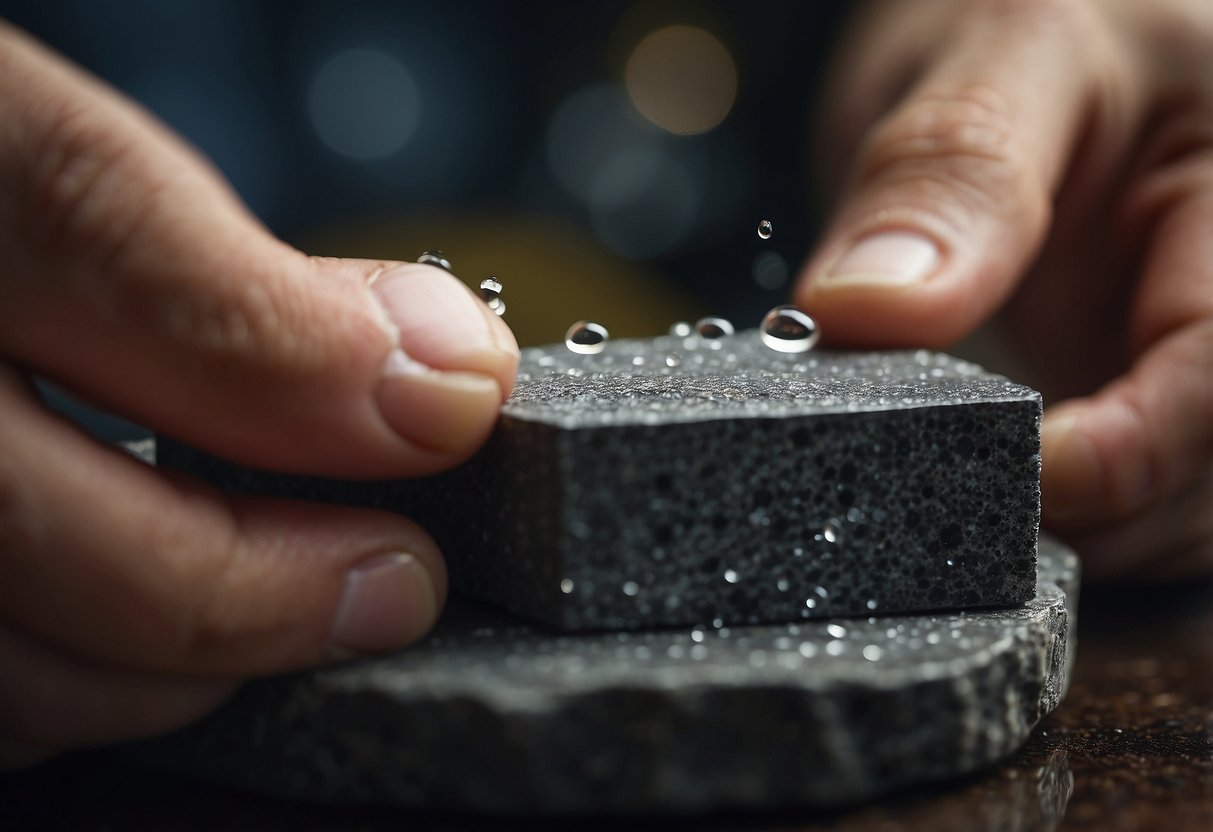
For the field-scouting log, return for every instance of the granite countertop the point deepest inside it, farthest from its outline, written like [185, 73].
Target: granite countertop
[1130, 748]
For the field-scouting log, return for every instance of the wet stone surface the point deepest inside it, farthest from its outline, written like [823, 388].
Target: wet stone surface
[491, 715]
[685, 480]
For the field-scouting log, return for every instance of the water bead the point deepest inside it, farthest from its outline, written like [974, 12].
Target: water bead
[831, 531]
[435, 258]
[681, 329]
[788, 329]
[765, 229]
[490, 293]
[586, 338]
[713, 328]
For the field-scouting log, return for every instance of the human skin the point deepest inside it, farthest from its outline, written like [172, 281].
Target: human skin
[1052, 159]
[131, 601]
[1048, 163]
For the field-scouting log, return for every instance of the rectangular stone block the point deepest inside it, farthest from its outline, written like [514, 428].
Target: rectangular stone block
[674, 481]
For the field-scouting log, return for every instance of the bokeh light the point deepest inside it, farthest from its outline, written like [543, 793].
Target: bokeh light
[364, 104]
[682, 79]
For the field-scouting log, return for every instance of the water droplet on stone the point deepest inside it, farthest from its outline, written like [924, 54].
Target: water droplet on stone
[836, 630]
[787, 329]
[822, 592]
[782, 584]
[872, 652]
[435, 258]
[766, 229]
[631, 588]
[730, 575]
[831, 532]
[672, 361]
[808, 649]
[811, 603]
[836, 647]
[586, 338]
[696, 635]
[713, 328]
[871, 603]
[681, 329]
[566, 586]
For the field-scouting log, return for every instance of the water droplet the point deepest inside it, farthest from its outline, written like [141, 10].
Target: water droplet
[730, 575]
[872, 652]
[787, 329]
[435, 258]
[566, 586]
[681, 329]
[831, 532]
[782, 584]
[808, 649]
[490, 293]
[811, 603]
[696, 635]
[672, 360]
[717, 623]
[951, 562]
[766, 229]
[631, 589]
[822, 592]
[836, 647]
[836, 630]
[713, 328]
[586, 338]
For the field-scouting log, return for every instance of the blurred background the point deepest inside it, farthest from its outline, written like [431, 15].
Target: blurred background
[605, 160]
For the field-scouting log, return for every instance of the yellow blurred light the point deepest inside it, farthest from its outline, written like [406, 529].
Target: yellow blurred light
[682, 79]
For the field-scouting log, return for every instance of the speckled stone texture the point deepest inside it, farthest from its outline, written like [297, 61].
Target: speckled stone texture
[494, 716]
[672, 481]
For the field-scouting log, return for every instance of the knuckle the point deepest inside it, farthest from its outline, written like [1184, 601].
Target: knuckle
[76, 181]
[965, 141]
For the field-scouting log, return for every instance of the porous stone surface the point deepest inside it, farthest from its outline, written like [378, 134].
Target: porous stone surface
[673, 481]
[495, 716]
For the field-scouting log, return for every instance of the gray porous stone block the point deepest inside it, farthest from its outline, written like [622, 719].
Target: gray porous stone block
[492, 715]
[674, 481]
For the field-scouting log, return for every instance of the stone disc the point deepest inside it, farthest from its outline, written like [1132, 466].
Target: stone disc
[493, 716]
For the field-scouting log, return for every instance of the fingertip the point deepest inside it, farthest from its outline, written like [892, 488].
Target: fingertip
[447, 415]
[442, 325]
[890, 288]
[387, 602]
[1094, 466]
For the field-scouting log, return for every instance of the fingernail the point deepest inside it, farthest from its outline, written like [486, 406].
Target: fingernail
[388, 601]
[890, 258]
[441, 324]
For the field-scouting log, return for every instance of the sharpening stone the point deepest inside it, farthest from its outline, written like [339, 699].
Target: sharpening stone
[686, 481]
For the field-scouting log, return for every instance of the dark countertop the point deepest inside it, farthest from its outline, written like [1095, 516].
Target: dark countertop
[1131, 748]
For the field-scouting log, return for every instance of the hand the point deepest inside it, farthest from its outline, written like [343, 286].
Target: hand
[130, 601]
[1052, 159]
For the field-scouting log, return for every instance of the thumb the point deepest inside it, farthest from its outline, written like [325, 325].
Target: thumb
[139, 281]
[951, 196]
